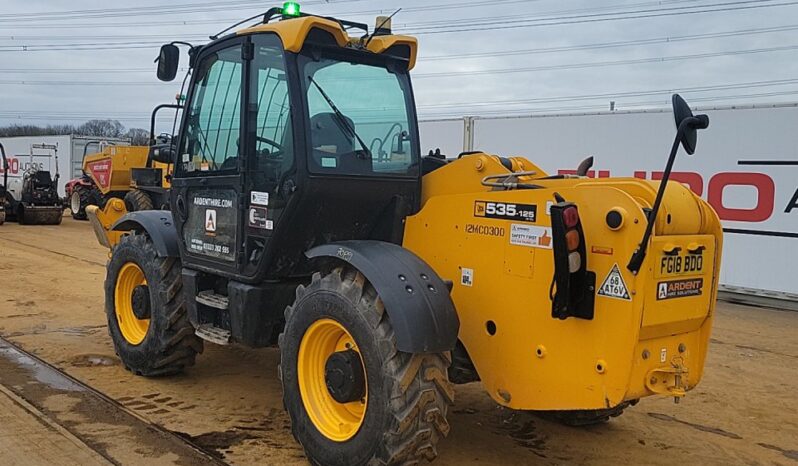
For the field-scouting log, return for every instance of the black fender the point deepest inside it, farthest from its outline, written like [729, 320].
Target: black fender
[158, 225]
[416, 299]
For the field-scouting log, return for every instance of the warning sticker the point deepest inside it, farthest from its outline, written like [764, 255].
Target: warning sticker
[530, 235]
[680, 288]
[614, 286]
[466, 277]
[259, 198]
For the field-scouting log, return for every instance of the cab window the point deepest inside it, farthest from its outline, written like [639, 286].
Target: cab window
[370, 133]
[212, 141]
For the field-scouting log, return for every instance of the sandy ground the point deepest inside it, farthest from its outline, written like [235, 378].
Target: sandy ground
[744, 412]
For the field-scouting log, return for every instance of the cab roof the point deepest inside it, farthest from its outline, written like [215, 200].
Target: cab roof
[294, 32]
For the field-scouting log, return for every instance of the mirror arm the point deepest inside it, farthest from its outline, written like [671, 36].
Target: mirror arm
[640, 253]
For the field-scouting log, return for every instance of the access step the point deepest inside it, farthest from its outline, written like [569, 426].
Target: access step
[213, 334]
[211, 299]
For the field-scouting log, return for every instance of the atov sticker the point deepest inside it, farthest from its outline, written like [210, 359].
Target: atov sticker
[680, 288]
[614, 286]
[506, 211]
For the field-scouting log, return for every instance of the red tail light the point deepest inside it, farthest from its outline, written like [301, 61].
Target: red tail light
[573, 287]
[571, 217]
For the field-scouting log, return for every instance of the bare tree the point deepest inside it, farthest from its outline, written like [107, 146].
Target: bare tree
[138, 136]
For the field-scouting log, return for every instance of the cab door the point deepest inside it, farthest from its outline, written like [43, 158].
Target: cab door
[207, 192]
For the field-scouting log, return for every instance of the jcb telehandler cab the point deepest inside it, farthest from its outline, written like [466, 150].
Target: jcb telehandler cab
[303, 215]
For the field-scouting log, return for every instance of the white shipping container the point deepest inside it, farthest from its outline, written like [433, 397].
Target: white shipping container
[746, 165]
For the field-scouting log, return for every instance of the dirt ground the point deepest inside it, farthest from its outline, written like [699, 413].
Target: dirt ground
[744, 412]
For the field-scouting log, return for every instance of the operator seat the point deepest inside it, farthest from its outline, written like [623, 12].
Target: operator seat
[330, 141]
[41, 179]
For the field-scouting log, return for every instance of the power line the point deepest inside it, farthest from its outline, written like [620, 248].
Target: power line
[443, 74]
[620, 106]
[606, 45]
[617, 95]
[574, 66]
[539, 100]
[578, 20]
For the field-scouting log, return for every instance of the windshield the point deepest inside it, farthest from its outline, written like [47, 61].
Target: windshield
[360, 119]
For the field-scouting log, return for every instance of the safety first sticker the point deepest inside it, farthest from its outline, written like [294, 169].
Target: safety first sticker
[614, 286]
[530, 235]
[680, 288]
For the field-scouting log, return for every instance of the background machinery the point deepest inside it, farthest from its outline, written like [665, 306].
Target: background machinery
[32, 199]
[125, 173]
[303, 215]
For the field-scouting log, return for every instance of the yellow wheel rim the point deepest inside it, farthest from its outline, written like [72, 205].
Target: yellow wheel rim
[336, 421]
[133, 329]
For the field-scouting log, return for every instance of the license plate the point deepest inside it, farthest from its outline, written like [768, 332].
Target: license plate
[672, 265]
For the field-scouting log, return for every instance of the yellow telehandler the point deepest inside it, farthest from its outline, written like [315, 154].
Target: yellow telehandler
[303, 215]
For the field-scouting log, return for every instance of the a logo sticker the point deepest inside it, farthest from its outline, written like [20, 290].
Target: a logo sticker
[506, 211]
[259, 198]
[530, 235]
[680, 288]
[614, 286]
[258, 218]
[210, 220]
[466, 276]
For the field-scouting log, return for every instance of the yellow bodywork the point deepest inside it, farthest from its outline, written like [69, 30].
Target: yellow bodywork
[294, 32]
[110, 168]
[526, 359]
[103, 219]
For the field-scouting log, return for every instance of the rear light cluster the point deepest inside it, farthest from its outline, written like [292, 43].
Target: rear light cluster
[573, 286]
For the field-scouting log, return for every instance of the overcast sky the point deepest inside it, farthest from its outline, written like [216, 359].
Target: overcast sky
[734, 52]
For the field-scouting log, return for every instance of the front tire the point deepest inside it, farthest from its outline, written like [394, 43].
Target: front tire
[146, 310]
[401, 414]
[78, 201]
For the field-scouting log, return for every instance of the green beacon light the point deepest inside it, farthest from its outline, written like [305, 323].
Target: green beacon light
[291, 9]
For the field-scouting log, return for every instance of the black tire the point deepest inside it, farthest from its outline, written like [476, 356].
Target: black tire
[170, 344]
[586, 417]
[2, 217]
[408, 394]
[137, 200]
[81, 198]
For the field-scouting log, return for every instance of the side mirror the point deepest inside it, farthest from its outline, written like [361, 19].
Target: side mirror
[684, 117]
[168, 60]
[164, 153]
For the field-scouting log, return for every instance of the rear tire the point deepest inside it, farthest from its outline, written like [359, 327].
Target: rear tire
[80, 199]
[2, 217]
[407, 395]
[137, 200]
[165, 344]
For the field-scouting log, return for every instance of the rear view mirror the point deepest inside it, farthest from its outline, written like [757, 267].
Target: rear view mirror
[691, 124]
[168, 60]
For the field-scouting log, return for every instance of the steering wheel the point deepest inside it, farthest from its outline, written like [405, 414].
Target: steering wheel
[272, 143]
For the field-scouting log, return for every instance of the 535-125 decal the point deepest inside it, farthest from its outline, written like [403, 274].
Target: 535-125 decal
[506, 211]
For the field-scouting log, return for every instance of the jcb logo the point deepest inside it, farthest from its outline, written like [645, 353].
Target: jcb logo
[479, 209]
